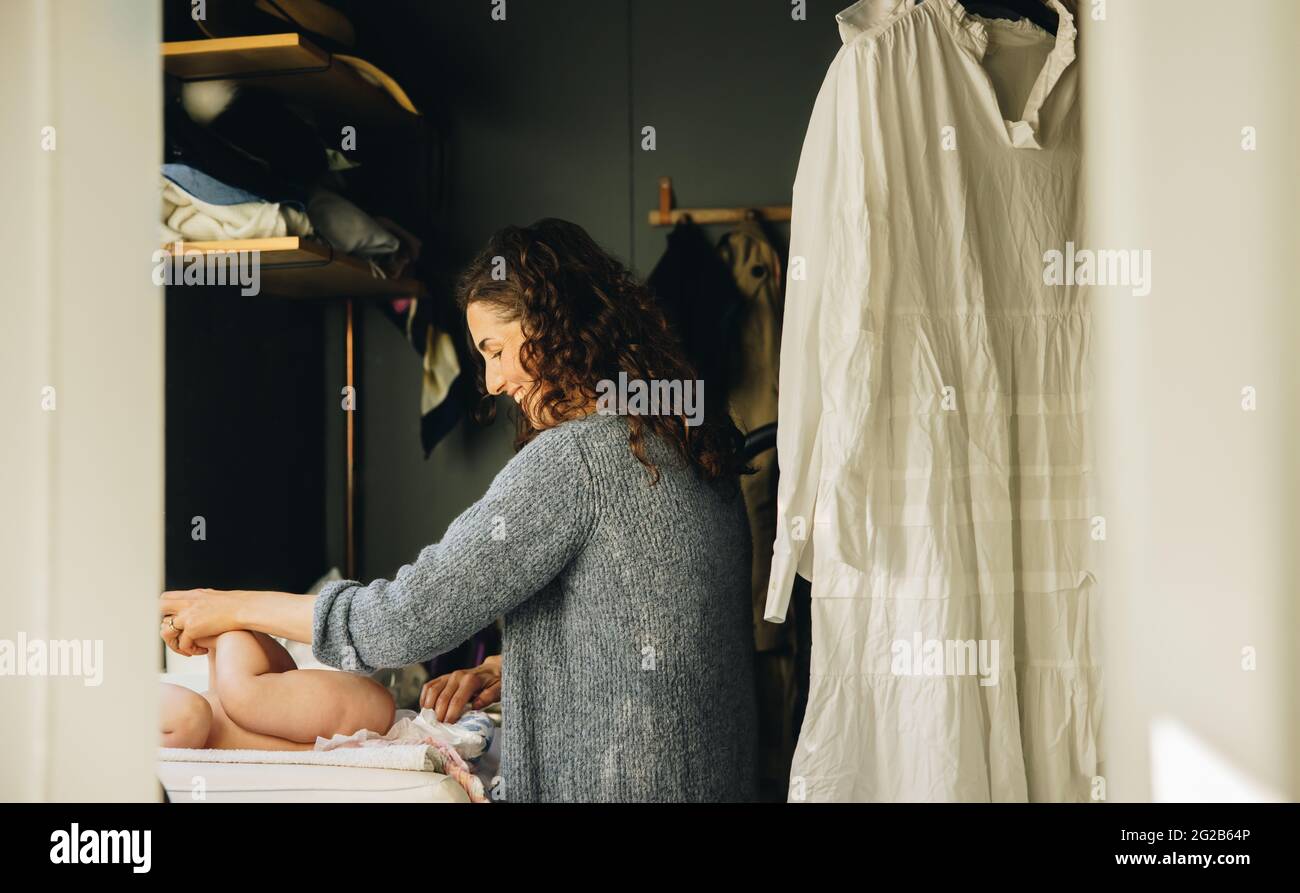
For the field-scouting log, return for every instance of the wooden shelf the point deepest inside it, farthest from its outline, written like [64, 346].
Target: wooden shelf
[295, 69]
[295, 267]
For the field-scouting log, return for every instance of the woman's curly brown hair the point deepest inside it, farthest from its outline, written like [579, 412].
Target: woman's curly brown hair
[585, 318]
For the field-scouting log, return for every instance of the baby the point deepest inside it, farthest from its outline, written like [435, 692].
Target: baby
[258, 699]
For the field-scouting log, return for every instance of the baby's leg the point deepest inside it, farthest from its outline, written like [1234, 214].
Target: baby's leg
[228, 735]
[190, 719]
[261, 692]
[186, 717]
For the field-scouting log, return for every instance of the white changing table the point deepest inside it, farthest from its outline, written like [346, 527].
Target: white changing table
[281, 783]
[298, 783]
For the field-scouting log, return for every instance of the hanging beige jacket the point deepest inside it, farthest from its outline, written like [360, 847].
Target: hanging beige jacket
[752, 392]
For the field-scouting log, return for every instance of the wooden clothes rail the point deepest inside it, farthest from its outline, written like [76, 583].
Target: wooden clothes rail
[667, 215]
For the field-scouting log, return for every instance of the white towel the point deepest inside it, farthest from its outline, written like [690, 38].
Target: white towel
[414, 757]
[186, 218]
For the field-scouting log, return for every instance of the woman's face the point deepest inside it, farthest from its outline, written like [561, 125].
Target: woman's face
[499, 341]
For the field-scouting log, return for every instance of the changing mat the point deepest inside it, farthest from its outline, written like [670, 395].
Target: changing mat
[407, 757]
[415, 743]
[221, 782]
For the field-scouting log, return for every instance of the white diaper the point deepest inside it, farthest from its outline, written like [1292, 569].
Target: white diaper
[469, 736]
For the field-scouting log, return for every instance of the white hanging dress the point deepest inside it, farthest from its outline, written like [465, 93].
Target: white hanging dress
[935, 470]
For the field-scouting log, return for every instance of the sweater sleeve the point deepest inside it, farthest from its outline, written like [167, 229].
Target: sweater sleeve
[503, 549]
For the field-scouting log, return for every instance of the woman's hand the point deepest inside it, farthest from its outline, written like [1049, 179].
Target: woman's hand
[448, 695]
[190, 614]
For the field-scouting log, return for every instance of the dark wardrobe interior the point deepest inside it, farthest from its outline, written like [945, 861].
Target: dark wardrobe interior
[540, 115]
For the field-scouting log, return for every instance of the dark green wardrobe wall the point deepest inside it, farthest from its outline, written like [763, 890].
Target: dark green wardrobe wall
[541, 116]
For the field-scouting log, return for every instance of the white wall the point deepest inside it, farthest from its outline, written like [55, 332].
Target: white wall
[81, 534]
[1202, 498]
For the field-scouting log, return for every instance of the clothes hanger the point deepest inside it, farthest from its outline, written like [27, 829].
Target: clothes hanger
[1035, 10]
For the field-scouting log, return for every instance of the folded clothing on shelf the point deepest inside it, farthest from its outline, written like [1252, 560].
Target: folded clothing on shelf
[210, 190]
[348, 228]
[221, 212]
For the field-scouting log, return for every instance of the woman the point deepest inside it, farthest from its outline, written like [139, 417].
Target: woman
[615, 546]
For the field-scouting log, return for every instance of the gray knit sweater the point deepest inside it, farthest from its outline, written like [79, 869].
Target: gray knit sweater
[627, 655]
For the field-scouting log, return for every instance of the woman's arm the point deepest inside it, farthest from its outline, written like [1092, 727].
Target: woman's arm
[501, 551]
[451, 693]
[278, 614]
[535, 518]
[199, 613]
